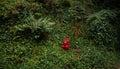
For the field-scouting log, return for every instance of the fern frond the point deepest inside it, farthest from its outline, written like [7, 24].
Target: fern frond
[44, 24]
[103, 15]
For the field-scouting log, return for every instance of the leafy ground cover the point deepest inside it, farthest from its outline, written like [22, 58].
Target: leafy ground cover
[32, 34]
[83, 54]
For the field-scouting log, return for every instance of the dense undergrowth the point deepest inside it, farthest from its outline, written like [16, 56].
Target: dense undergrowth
[32, 33]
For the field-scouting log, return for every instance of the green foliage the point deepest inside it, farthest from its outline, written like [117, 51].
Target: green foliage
[98, 61]
[43, 23]
[76, 11]
[33, 27]
[13, 11]
[23, 21]
[28, 55]
[103, 15]
[101, 31]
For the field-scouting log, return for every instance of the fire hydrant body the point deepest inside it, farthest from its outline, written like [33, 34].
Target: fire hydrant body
[66, 44]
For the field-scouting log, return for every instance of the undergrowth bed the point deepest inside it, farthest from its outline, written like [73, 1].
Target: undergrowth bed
[59, 34]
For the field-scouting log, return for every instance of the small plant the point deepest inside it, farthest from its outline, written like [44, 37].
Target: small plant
[33, 27]
[76, 11]
[76, 31]
[100, 30]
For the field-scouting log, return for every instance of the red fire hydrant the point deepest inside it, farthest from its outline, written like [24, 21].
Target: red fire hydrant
[66, 44]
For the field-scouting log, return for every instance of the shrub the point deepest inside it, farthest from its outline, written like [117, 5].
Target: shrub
[76, 11]
[100, 30]
[33, 27]
[14, 11]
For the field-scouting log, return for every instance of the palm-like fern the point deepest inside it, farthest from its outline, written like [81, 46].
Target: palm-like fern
[33, 27]
[44, 24]
[103, 15]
